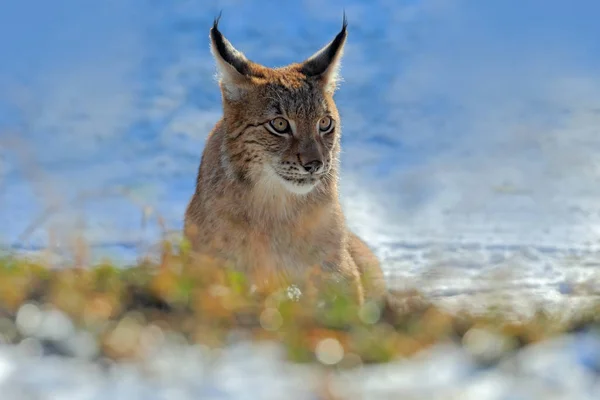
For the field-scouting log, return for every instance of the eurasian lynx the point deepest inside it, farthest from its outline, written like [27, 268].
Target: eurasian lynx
[266, 196]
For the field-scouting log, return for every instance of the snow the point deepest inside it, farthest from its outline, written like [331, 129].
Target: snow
[558, 369]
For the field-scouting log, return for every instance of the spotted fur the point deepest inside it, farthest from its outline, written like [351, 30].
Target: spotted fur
[267, 201]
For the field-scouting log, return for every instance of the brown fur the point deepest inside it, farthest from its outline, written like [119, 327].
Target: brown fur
[241, 211]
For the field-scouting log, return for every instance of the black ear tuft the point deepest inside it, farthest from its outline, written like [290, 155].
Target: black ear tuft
[216, 21]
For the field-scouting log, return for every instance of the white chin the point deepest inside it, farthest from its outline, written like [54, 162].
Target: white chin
[272, 178]
[297, 189]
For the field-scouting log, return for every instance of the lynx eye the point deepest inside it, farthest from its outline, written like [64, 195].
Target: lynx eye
[280, 125]
[325, 124]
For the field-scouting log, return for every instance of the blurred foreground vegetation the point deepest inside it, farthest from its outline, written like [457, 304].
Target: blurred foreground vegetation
[125, 310]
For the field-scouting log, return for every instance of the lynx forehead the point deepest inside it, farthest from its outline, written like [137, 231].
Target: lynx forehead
[291, 132]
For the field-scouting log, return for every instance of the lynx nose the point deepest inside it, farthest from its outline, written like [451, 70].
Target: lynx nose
[313, 166]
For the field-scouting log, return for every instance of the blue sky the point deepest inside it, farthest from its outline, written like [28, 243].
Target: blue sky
[461, 118]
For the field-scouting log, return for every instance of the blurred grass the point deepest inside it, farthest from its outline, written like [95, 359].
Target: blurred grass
[125, 309]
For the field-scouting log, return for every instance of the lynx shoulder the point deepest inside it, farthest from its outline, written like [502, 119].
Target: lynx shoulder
[266, 197]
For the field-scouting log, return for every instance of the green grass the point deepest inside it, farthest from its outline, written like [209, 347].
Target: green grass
[203, 301]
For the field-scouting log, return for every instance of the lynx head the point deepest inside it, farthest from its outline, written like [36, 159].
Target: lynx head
[281, 124]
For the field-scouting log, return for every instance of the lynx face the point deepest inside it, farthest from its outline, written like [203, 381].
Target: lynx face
[292, 138]
[282, 125]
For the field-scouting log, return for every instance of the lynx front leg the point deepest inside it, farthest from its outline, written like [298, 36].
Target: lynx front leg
[337, 278]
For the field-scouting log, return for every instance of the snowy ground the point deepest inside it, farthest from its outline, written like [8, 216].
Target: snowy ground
[566, 368]
[470, 150]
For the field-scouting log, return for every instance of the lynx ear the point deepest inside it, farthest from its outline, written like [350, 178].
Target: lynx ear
[234, 68]
[324, 65]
